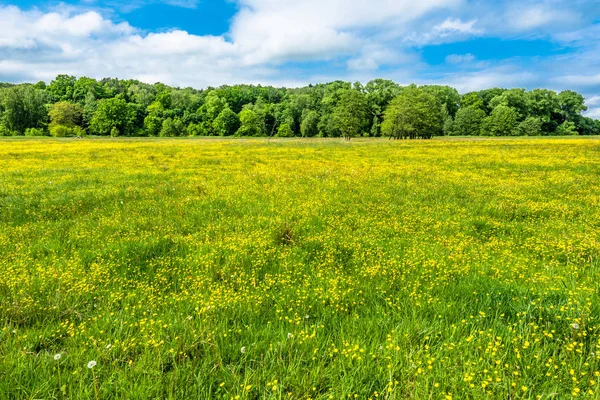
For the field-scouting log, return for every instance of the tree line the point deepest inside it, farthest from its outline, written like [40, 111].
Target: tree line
[71, 106]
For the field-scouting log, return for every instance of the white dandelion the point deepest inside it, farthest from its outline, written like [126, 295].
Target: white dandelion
[91, 364]
[575, 326]
[243, 350]
[57, 357]
[289, 335]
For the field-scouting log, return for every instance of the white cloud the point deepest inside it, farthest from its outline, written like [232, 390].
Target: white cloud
[495, 77]
[578, 80]
[276, 30]
[593, 113]
[460, 58]
[21, 29]
[374, 56]
[593, 101]
[449, 30]
[356, 39]
[454, 25]
[263, 34]
[522, 17]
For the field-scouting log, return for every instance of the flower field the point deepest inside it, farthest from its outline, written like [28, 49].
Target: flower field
[297, 269]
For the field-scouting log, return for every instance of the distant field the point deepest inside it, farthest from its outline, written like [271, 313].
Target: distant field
[242, 269]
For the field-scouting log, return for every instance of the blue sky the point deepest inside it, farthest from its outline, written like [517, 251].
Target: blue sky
[468, 44]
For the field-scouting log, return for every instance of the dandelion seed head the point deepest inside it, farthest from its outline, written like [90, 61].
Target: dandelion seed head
[91, 364]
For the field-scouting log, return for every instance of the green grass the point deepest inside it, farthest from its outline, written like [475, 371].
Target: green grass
[300, 268]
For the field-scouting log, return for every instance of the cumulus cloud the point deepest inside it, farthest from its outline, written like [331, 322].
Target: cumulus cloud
[25, 30]
[263, 35]
[276, 30]
[354, 39]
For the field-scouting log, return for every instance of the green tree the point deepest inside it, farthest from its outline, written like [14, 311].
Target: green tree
[285, 131]
[24, 107]
[571, 104]
[210, 110]
[310, 124]
[517, 99]
[468, 121]
[141, 94]
[172, 127]
[62, 87]
[195, 130]
[446, 96]
[164, 98]
[379, 93]
[226, 123]
[487, 95]
[250, 124]
[501, 122]
[590, 126]
[33, 132]
[412, 114]
[448, 127]
[111, 113]
[65, 119]
[530, 126]
[567, 128]
[65, 113]
[473, 100]
[89, 108]
[545, 105]
[351, 115]
[82, 87]
[152, 125]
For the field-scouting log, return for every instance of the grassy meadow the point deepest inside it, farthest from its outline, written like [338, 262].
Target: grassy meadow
[300, 269]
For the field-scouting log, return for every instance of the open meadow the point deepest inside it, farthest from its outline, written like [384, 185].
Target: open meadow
[297, 269]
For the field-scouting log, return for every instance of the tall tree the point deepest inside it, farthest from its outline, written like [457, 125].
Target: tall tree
[65, 119]
[446, 96]
[473, 100]
[414, 113]
[351, 115]
[62, 87]
[517, 99]
[468, 121]
[310, 124]
[250, 124]
[111, 113]
[226, 123]
[571, 104]
[501, 122]
[24, 107]
[544, 105]
[530, 126]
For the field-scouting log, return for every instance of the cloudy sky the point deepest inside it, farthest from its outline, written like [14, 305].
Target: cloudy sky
[469, 44]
